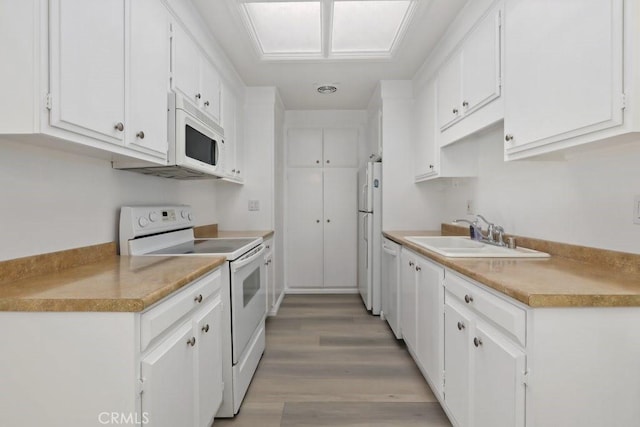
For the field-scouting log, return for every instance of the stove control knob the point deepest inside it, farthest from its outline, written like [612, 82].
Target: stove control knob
[143, 222]
[153, 216]
[184, 214]
[190, 216]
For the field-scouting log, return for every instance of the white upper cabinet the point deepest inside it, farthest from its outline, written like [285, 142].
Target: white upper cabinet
[450, 92]
[323, 148]
[231, 143]
[340, 148]
[304, 147]
[471, 80]
[87, 68]
[193, 75]
[185, 65]
[148, 76]
[564, 70]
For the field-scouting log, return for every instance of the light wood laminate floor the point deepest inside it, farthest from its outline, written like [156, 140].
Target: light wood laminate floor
[330, 363]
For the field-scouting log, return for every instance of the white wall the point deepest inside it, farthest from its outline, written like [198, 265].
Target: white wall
[53, 200]
[585, 200]
[405, 205]
[258, 164]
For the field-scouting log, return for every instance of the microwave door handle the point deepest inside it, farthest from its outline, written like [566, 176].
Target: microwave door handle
[214, 153]
[248, 259]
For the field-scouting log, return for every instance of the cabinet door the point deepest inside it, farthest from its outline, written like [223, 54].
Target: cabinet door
[408, 299]
[430, 301]
[305, 228]
[340, 148]
[425, 158]
[210, 85]
[228, 121]
[87, 68]
[148, 76]
[169, 382]
[207, 330]
[458, 329]
[272, 297]
[304, 147]
[449, 92]
[563, 69]
[498, 391]
[340, 228]
[186, 66]
[481, 64]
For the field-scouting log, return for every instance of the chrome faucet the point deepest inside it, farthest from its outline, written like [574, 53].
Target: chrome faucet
[475, 230]
[492, 231]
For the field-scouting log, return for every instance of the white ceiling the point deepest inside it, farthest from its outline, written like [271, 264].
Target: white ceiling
[355, 78]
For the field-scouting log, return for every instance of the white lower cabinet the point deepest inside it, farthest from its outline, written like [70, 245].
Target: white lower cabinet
[408, 294]
[274, 290]
[159, 368]
[484, 365]
[169, 381]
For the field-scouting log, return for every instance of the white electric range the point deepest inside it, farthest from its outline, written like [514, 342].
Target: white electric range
[168, 230]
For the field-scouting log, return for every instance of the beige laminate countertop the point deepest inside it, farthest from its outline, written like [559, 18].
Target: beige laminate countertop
[114, 283]
[551, 282]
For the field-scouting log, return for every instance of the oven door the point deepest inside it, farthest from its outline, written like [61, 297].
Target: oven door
[248, 298]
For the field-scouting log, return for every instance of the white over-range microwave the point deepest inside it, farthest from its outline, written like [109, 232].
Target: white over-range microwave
[196, 145]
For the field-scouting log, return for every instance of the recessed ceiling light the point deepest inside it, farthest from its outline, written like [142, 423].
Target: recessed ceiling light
[326, 89]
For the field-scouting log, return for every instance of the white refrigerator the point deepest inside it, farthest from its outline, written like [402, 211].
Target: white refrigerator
[370, 235]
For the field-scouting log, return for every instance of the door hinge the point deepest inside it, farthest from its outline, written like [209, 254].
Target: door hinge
[525, 378]
[140, 386]
[623, 100]
[47, 101]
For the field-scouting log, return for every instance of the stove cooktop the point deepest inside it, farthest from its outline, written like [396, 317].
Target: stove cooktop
[207, 246]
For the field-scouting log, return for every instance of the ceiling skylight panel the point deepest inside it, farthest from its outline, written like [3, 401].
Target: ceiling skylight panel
[286, 27]
[368, 26]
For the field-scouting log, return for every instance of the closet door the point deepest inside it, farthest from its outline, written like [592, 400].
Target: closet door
[304, 229]
[340, 228]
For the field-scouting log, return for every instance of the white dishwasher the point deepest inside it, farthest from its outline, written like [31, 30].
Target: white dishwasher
[391, 285]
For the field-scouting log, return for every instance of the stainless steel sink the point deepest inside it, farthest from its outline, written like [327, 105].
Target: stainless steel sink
[463, 247]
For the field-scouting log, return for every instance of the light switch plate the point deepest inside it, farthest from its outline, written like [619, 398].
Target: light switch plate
[254, 205]
[636, 210]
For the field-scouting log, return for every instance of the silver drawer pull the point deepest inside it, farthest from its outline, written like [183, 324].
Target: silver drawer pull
[192, 341]
[205, 328]
[198, 298]
[468, 299]
[477, 342]
[460, 326]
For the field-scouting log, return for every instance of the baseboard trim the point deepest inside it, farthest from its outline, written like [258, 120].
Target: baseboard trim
[321, 291]
[276, 307]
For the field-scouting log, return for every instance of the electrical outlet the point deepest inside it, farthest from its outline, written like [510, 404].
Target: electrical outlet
[470, 208]
[254, 205]
[636, 210]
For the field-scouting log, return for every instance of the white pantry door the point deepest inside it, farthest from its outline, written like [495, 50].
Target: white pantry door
[304, 228]
[340, 228]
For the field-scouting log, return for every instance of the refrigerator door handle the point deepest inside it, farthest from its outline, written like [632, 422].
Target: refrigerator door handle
[365, 199]
[365, 228]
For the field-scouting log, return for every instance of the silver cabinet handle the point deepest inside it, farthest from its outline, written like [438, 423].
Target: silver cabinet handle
[455, 111]
[328, 220]
[268, 247]
[206, 103]
[140, 135]
[411, 264]
[418, 268]
[233, 171]
[198, 298]
[317, 161]
[119, 126]
[198, 96]
[238, 170]
[431, 166]
[465, 104]
[328, 161]
[192, 341]
[468, 299]
[460, 326]
[508, 137]
[477, 342]
[205, 328]
[317, 221]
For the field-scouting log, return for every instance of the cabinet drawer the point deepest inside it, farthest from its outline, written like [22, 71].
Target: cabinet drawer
[510, 318]
[159, 318]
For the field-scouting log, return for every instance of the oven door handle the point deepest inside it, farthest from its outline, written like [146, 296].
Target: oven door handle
[247, 259]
